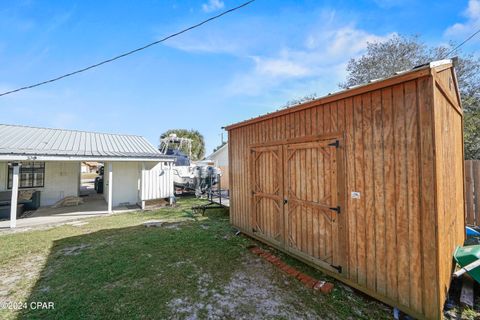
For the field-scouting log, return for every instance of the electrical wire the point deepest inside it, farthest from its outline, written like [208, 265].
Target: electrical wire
[461, 44]
[129, 52]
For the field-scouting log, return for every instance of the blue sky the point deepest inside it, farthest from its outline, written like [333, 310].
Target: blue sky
[244, 65]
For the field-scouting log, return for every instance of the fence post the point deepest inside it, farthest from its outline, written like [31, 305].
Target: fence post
[472, 190]
[476, 191]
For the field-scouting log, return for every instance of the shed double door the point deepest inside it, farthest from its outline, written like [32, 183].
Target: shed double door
[295, 202]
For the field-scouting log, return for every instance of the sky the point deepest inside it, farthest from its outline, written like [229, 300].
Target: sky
[243, 65]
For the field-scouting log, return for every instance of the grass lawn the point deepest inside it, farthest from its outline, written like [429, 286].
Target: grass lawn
[194, 267]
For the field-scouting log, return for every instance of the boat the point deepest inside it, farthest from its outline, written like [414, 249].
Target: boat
[189, 176]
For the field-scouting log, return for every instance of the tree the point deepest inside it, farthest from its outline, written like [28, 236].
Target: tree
[294, 102]
[198, 142]
[383, 59]
[472, 134]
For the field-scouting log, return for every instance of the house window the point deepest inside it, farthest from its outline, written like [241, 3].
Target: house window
[32, 175]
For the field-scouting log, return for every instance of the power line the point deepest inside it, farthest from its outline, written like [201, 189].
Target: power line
[129, 52]
[461, 44]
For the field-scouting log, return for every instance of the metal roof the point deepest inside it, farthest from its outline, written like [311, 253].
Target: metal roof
[45, 143]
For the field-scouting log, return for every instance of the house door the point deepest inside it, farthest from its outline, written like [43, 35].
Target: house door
[267, 193]
[311, 201]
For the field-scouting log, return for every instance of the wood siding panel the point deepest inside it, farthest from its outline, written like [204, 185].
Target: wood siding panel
[359, 187]
[450, 180]
[445, 79]
[430, 296]
[400, 144]
[342, 219]
[413, 195]
[350, 187]
[389, 176]
[367, 127]
[379, 194]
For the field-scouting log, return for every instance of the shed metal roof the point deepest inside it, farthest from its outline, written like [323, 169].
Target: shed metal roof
[45, 143]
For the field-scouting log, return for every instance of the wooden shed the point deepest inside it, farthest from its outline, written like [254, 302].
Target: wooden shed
[365, 184]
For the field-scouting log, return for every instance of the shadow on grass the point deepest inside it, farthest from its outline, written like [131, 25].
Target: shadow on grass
[134, 272]
[186, 268]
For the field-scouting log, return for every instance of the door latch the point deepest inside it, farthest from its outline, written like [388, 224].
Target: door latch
[285, 201]
[335, 144]
[337, 209]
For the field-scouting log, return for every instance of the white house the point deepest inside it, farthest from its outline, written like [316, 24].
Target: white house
[220, 158]
[48, 160]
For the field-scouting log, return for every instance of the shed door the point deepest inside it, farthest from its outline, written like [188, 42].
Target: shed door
[311, 198]
[267, 193]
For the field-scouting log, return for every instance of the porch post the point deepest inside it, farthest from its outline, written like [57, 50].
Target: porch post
[13, 208]
[142, 186]
[110, 187]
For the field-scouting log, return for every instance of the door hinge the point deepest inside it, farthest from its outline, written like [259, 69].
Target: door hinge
[339, 268]
[335, 144]
[337, 209]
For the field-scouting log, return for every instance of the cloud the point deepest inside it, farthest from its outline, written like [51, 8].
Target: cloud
[237, 37]
[209, 43]
[338, 43]
[279, 67]
[213, 5]
[472, 15]
[317, 47]
[323, 55]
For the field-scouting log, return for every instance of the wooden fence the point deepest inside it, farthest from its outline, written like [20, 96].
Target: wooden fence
[225, 180]
[472, 191]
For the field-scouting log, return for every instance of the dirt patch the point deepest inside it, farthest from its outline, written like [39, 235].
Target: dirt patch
[11, 279]
[156, 204]
[163, 224]
[77, 223]
[255, 291]
[173, 225]
[73, 250]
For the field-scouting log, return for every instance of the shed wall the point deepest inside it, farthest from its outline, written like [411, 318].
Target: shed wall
[388, 151]
[450, 175]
